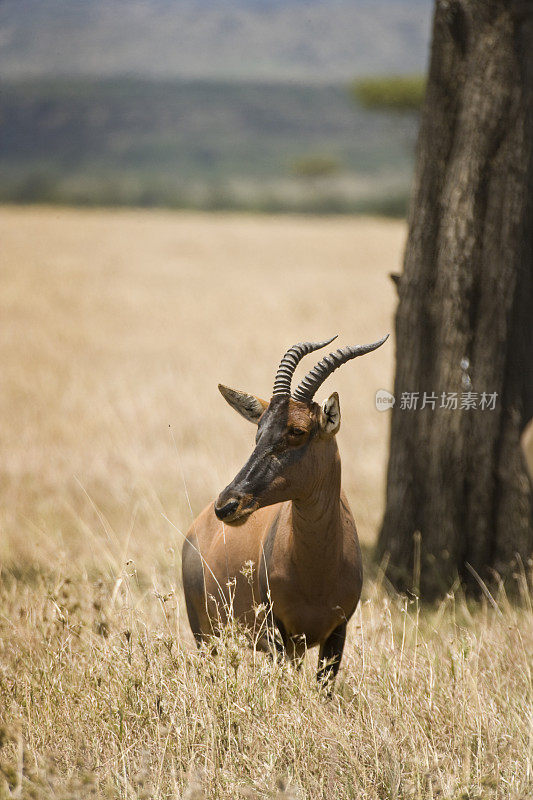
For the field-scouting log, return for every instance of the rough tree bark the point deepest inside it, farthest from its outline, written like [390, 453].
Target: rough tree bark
[457, 483]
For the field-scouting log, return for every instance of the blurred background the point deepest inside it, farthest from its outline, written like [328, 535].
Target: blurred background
[120, 322]
[245, 104]
[125, 299]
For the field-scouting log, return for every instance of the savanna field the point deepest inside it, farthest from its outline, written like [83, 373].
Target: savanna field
[116, 328]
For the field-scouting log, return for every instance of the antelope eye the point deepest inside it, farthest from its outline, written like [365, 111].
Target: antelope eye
[296, 432]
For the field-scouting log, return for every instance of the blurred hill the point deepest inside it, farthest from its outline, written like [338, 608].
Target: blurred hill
[203, 144]
[311, 40]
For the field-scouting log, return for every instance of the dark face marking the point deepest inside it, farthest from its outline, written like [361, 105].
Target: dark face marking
[284, 434]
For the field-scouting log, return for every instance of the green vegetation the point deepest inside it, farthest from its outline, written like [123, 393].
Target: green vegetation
[199, 144]
[392, 93]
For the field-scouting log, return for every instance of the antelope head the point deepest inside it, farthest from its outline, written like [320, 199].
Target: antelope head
[295, 439]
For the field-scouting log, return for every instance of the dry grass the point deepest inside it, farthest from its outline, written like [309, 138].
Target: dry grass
[118, 327]
[106, 698]
[115, 327]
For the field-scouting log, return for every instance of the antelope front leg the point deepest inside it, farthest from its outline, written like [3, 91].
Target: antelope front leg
[292, 648]
[277, 638]
[289, 647]
[330, 656]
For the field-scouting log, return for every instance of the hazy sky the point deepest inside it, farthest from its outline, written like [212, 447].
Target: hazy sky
[289, 39]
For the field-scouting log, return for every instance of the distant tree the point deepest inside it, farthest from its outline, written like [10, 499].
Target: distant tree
[459, 497]
[401, 93]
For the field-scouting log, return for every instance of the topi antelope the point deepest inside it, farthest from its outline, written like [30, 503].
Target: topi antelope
[289, 518]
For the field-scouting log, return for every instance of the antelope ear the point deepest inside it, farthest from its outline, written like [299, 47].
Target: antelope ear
[330, 415]
[248, 405]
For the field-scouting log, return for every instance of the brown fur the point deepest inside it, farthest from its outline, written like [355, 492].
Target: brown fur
[301, 539]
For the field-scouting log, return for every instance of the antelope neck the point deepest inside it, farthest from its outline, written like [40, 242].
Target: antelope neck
[316, 520]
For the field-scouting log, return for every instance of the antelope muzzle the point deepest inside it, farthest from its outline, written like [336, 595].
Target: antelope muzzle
[234, 507]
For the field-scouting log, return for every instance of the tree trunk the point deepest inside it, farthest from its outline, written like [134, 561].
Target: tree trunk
[458, 490]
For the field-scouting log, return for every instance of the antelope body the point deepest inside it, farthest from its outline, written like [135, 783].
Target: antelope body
[278, 549]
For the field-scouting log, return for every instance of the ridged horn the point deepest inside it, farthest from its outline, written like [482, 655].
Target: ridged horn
[289, 362]
[316, 377]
